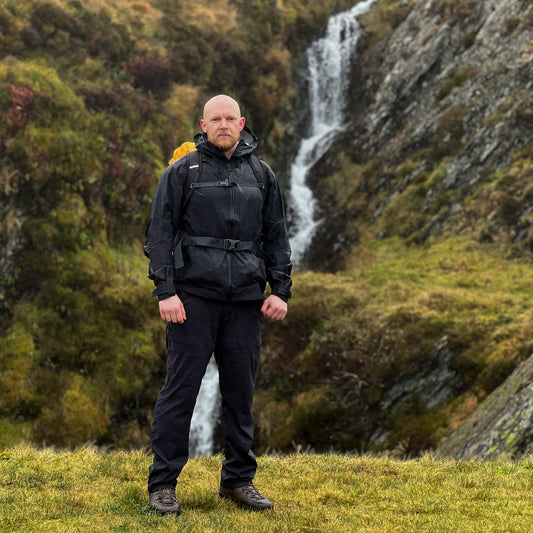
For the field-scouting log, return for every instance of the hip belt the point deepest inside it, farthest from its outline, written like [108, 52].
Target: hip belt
[230, 245]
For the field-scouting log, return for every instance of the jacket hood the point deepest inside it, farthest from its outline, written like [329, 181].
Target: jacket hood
[247, 143]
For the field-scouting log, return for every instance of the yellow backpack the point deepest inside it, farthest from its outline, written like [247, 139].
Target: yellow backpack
[182, 150]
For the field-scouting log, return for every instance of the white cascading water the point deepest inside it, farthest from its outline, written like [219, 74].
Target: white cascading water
[329, 64]
[329, 61]
[205, 415]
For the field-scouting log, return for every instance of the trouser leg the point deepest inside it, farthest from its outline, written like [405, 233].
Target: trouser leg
[237, 354]
[189, 348]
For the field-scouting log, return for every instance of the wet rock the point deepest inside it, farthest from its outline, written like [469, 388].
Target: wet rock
[435, 380]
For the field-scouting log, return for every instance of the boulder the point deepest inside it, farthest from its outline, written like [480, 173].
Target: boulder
[502, 426]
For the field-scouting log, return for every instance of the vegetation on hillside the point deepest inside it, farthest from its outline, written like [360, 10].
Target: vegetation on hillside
[98, 492]
[351, 335]
[430, 308]
[97, 95]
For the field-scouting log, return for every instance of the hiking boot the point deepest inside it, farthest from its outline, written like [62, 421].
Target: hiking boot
[248, 497]
[164, 501]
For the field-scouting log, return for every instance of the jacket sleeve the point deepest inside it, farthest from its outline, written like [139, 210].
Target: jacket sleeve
[162, 227]
[276, 247]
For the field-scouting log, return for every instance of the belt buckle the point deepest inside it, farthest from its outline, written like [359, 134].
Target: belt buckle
[231, 245]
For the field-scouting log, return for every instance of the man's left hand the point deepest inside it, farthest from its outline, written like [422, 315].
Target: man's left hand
[274, 307]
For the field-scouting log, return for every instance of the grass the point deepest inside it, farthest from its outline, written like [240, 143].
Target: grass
[86, 490]
[464, 285]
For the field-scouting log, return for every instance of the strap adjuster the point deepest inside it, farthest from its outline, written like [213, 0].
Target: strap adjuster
[231, 245]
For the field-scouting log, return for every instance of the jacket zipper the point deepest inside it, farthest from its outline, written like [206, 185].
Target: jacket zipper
[232, 218]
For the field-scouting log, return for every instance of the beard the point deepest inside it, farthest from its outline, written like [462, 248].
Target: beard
[225, 142]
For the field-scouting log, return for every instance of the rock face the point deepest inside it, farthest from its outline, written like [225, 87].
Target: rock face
[450, 90]
[435, 380]
[501, 426]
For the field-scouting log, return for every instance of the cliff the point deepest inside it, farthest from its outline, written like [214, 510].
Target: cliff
[438, 111]
[502, 426]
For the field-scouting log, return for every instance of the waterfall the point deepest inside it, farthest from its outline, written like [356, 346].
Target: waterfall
[328, 75]
[205, 415]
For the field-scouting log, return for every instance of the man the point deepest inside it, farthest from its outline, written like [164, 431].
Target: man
[213, 245]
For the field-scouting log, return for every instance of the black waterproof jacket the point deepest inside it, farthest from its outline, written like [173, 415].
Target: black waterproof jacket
[227, 238]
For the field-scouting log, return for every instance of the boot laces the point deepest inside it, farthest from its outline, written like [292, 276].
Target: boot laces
[251, 492]
[167, 496]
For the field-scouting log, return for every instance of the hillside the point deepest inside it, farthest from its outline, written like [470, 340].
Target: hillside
[106, 492]
[414, 302]
[439, 140]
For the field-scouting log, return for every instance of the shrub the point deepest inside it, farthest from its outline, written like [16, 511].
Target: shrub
[151, 73]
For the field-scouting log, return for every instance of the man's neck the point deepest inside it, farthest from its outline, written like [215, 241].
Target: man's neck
[229, 153]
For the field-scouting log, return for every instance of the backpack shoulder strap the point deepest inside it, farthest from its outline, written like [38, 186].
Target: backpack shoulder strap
[260, 172]
[194, 169]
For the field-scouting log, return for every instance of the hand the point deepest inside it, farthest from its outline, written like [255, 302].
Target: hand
[172, 310]
[274, 307]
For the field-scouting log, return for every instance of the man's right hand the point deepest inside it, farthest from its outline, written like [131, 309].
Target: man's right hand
[172, 310]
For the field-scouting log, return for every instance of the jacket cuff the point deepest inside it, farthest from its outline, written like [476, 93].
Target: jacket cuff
[164, 288]
[165, 296]
[283, 297]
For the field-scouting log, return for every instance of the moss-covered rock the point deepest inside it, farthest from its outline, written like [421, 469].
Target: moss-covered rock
[502, 426]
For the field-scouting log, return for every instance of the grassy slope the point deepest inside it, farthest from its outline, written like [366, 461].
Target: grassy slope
[384, 316]
[90, 491]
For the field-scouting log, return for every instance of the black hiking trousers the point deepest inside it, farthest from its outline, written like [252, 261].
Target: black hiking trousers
[232, 332]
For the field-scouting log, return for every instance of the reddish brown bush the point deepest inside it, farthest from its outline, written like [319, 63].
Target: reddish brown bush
[22, 100]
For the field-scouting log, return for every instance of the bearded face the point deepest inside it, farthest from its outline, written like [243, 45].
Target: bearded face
[222, 123]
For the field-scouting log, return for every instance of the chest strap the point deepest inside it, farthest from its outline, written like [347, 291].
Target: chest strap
[224, 183]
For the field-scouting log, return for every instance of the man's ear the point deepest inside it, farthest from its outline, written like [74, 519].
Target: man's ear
[202, 124]
[242, 123]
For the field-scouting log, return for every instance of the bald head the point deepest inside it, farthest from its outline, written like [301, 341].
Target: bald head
[219, 101]
[222, 123]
